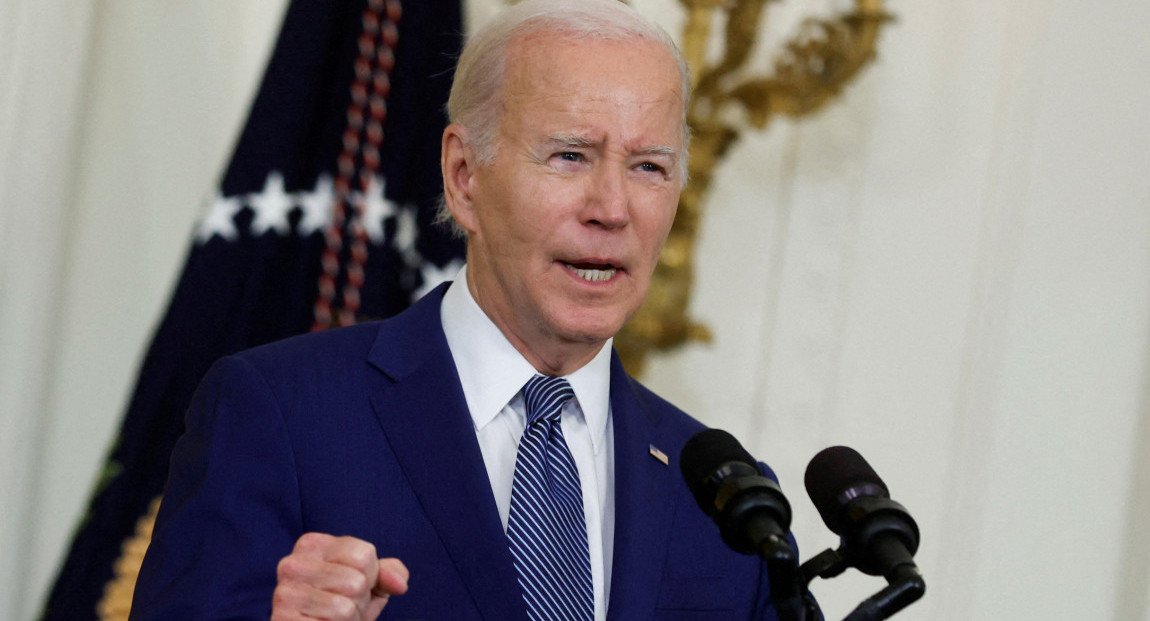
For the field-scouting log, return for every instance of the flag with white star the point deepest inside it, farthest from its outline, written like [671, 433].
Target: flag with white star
[323, 217]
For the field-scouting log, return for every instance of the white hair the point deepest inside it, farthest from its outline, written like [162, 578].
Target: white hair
[474, 100]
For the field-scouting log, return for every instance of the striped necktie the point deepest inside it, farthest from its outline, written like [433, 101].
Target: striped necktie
[546, 528]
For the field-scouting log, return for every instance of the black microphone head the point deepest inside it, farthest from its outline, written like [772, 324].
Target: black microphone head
[835, 477]
[705, 453]
[750, 510]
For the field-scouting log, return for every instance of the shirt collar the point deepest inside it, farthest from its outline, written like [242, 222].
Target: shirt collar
[492, 371]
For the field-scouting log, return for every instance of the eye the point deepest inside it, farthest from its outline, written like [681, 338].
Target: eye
[570, 156]
[651, 167]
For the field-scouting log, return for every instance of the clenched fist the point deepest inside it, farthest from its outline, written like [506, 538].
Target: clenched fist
[336, 578]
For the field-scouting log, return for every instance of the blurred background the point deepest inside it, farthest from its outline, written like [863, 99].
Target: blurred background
[947, 269]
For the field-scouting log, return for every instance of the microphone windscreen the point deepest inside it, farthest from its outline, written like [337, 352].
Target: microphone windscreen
[705, 453]
[836, 476]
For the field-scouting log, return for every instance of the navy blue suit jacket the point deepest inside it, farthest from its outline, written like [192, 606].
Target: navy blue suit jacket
[364, 431]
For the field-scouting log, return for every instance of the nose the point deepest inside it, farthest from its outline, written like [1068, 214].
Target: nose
[608, 204]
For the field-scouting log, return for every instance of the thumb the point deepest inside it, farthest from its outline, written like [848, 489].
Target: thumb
[392, 580]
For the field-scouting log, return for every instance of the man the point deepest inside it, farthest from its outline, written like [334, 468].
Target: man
[307, 460]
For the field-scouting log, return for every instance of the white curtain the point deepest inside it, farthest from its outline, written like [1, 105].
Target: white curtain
[948, 269]
[41, 88]
[116, 119]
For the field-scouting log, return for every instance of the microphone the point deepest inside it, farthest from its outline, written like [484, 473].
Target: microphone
[752, 514]
[878, 535]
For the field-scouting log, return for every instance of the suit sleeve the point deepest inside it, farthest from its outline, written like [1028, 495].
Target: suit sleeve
[231, 508]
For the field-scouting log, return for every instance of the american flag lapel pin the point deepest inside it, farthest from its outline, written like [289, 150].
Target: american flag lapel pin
[657, 454]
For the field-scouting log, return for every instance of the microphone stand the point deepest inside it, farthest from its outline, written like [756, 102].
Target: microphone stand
[793, 602]
[904, 584]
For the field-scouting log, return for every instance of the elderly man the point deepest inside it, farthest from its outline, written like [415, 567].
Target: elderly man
[487, 442]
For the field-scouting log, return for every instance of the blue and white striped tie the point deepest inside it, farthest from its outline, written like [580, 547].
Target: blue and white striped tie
[545, 528]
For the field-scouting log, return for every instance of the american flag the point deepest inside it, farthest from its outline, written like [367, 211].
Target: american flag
[323, 217]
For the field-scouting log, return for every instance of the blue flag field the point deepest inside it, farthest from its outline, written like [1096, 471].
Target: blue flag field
[322, 218]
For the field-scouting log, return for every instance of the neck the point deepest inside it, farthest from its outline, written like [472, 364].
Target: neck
[557, 362]
[549, 354]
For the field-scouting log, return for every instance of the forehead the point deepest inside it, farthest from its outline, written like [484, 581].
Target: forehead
[553, 79]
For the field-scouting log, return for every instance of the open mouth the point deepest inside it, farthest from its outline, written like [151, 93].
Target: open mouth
[592, 272]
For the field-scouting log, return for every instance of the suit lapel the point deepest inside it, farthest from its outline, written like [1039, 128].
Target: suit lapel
[645, 498]
[424, 414]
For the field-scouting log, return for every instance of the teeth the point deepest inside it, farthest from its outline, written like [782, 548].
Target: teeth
[594, 275]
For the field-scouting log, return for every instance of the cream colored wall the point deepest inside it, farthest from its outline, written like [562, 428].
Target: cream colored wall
[949, 270]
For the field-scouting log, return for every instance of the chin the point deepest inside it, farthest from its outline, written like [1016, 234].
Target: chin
[594, 327]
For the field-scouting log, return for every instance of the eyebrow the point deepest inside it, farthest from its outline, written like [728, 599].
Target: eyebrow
[570, 140]
[575, 141]
[660, 150]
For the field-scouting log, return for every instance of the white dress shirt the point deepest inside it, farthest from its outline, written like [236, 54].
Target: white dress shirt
[493, 374]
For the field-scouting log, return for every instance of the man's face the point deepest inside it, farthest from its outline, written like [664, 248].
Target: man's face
[570, 216]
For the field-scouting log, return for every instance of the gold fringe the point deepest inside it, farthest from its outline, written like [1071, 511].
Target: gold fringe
[117, 601]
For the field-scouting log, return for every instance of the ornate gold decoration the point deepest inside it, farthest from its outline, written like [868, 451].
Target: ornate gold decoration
[810, 71]
[117, 600]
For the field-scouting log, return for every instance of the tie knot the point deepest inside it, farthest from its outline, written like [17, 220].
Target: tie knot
[545, 396]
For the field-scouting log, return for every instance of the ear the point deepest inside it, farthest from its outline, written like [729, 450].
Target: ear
[458, 164]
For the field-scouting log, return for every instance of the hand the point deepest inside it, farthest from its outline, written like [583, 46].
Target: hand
[336, 578]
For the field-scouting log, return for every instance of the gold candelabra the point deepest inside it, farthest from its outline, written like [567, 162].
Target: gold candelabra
[810, 71]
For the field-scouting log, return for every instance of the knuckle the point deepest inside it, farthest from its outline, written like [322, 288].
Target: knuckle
[344, 608]
[284, 601]
[359, 546]
[348, 582]
[363, 556]
[356, 584]
[290, 567]
[353, 552]
[312, 542]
